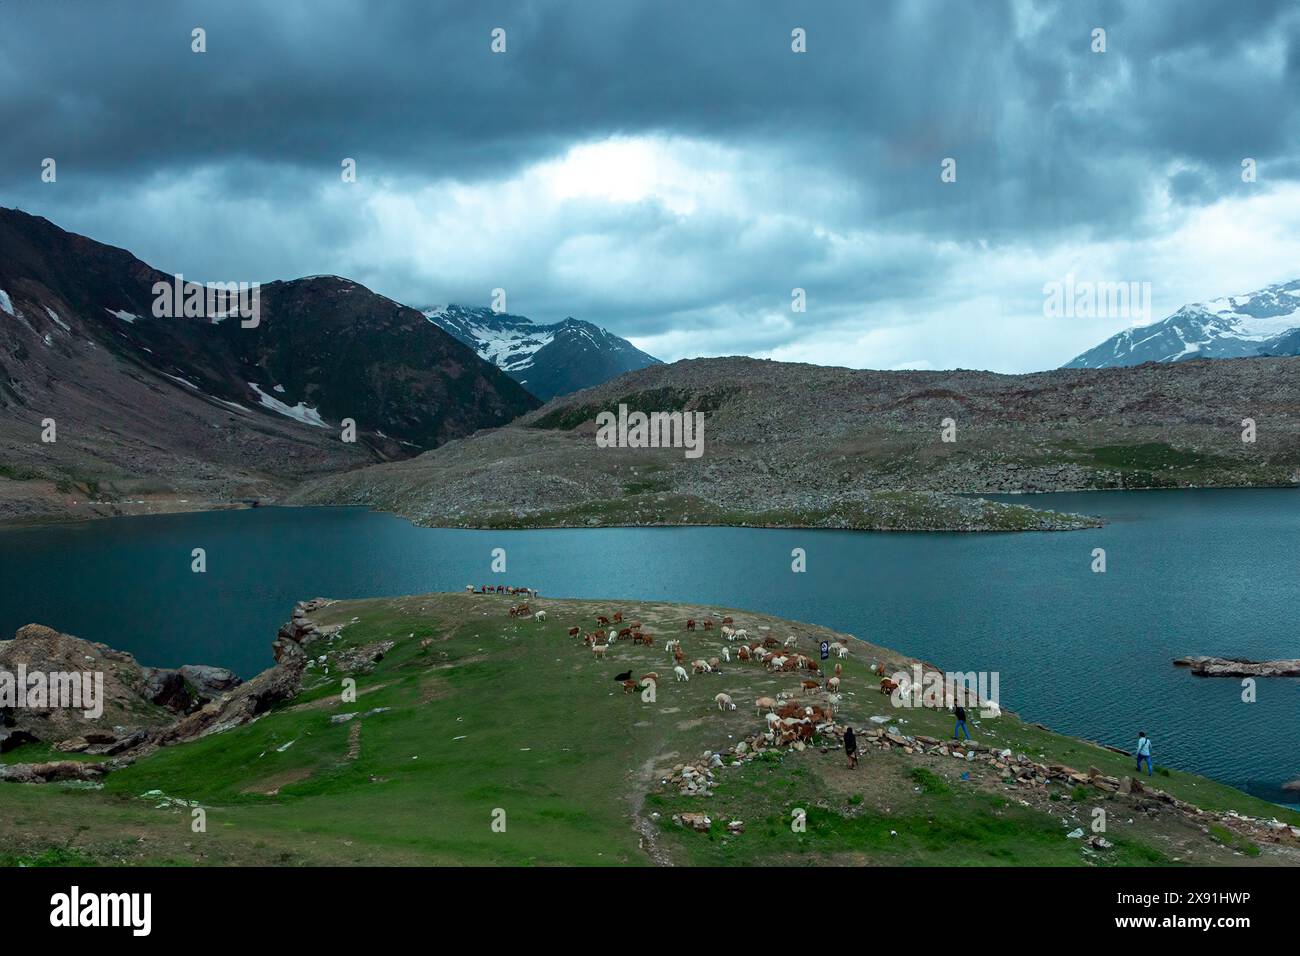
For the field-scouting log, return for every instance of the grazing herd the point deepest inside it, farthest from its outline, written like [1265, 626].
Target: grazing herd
[787, 720]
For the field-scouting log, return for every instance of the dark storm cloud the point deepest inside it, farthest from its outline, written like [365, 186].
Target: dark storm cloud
[224, 160]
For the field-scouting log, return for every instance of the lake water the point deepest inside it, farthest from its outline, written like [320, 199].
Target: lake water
[1188, 572]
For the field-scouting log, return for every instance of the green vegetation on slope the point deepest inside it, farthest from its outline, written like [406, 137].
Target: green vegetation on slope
[472, 712]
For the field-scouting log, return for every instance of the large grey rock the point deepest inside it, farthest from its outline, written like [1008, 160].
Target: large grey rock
[208, 682]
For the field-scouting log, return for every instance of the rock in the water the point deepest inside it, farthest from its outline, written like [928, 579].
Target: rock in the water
[1239, 667]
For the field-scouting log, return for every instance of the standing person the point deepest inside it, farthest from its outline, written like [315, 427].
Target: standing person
[961, 723]
[1143, 752]
[851, 747]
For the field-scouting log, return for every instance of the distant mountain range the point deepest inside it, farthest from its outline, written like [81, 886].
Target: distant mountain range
[548, 360]
[1266, 322]
[203, 403]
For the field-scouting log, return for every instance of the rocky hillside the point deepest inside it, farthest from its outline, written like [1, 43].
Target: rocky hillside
[548, 360]
[788, 444]
[1266, 322]
[204, 405]
[138, 709]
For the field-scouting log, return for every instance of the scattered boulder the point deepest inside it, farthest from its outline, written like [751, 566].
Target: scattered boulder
[362, 660]
[56, 770]
[698, 822]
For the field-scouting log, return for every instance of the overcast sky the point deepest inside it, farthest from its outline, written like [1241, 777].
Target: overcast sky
[671, 170]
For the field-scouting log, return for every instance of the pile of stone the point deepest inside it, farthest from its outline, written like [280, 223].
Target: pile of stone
[695, 779]
[1018, 770]
[362, 660]
[698, 822]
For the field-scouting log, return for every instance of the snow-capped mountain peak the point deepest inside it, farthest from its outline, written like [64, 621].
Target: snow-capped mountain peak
[1266, 322]
[548, 360]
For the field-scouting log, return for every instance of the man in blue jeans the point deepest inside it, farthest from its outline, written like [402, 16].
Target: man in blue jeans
[961, 723]
[1143, 752]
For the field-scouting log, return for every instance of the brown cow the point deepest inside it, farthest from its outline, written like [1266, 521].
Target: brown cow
[690, 624]
[624, 633]
[888, 685]
[809, 685]
[742, 654]
[574, 632]
[599, 635]
[678, 655]
[602, 620]
[708, 624]
[629, 686]
[618, 617]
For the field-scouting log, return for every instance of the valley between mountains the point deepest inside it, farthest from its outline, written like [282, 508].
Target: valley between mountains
[339, 395]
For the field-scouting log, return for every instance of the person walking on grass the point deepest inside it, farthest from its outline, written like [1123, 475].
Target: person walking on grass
[851, 747]
[1143, 752]
[961, 723]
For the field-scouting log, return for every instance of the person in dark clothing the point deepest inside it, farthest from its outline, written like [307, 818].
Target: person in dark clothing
[961, 723]
[851, 747]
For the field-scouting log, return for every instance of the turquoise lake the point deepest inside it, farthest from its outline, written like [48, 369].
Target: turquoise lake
[1188, 572]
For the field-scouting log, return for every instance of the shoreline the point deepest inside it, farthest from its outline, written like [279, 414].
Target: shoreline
[84, 511]
[404, 649]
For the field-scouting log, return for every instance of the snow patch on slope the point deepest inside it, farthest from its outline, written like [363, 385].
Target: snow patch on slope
[58, 321]
[301, 412]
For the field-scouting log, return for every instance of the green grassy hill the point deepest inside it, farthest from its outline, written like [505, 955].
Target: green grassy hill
[471, 712]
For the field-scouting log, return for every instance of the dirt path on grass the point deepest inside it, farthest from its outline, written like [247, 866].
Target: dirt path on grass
[642, 780]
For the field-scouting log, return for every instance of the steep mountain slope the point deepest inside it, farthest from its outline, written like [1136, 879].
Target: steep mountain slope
[1260, 323]
[203, 405]
[788, 444]
[548, 360]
